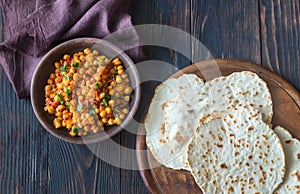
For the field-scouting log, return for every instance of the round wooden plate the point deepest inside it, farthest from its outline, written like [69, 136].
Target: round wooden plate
[286, 102]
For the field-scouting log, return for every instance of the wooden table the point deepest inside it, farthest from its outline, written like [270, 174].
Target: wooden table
[33, 161]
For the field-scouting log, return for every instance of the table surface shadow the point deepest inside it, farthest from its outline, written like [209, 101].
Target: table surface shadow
[33, 161]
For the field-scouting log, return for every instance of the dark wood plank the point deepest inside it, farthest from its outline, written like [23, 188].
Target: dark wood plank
[33, 161]
[173, 13]
[229, 29]
[23, 144]
[75, 169]
[280, 33]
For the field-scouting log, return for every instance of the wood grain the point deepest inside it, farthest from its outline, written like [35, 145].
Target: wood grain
[228, 29]
[264, 32]
[280, 37]
[175, 13]
[75, 169]
[285, 97]
[23, 144]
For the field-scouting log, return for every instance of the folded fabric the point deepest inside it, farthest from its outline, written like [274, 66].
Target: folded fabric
[31, 28]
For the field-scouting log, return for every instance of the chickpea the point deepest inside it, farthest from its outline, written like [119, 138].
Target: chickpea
[95, 130]
[84, 123]
[87, 51]
[88, 83]
[120, 72]
[95, 52]
[89, 58]
[65, 116]
[111, 121]
[127, 98]
[58, 114]
[117, 121]
[124, 76]
[84, 91]
[47, 93]
[81, 57]
[72, 70]
[51, 110]
[60, 108]
[58, 80]
[63, 123]
[128, 90]
[126, 81]
[81, 71]
[87, 115]
[111, 92]
[69, 124]
[102, 95]
[108, 110]
[117, 61]
[91, 121]
[52, 76]
[100, 58]
[120, 88]
[122, 116]
[56, 123]
[57, 65]
[90, 95]
[113, 83]
[50, 81]
[72, 133]
[76, 77]
[102, 114]
[104, 120]
[66, 57]
[95, 80]
[78, 61]
[80, 98]
[48, 88]
[118, 79]
[60, 86]
[87, 64]
[125, 111]
[98, 79]
[111, 102]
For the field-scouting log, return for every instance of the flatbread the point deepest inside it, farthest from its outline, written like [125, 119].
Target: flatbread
[216, 97]
[291, 147]
[160, 141]
[237, 153]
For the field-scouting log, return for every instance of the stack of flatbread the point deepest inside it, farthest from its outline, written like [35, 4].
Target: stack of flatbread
[220, 131]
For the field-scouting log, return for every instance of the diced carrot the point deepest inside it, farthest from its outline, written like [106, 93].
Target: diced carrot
[103, 71]
[54, 104]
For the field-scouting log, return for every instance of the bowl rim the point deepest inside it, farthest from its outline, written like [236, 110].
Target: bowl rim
[131, 113]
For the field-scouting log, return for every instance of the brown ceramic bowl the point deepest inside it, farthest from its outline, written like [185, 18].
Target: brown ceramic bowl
[46, 66]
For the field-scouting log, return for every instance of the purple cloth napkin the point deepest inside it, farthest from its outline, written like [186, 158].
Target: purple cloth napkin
[31, 28]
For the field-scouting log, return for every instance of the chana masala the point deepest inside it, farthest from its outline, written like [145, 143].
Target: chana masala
[87, 92]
